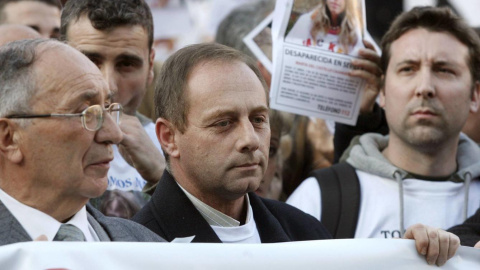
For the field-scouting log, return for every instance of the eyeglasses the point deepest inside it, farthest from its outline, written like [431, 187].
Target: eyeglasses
[92, 117]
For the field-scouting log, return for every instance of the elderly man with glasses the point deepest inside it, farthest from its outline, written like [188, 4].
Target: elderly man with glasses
[57, 128]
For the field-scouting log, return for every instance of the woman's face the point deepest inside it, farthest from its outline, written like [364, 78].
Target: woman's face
[336, 6]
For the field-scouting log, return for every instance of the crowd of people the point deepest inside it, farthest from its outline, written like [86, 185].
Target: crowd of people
[219, 163]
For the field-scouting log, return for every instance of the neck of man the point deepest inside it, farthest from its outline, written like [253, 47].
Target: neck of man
[233, 206]
[236, 209]
[434, 161]
[61, 208]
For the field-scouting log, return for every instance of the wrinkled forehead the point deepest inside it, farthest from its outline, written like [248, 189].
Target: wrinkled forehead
[81, 34]
[62, 69]
[432, 46]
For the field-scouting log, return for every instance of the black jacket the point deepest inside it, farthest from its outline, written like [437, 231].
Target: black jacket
[170, 214]
[469, 231]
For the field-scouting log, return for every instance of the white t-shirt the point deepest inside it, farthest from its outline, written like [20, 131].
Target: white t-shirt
[243, 234]
[227, 228]
[124, 177]
[435, 203]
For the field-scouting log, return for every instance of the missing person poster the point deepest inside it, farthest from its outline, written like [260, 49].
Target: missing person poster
[314, 43]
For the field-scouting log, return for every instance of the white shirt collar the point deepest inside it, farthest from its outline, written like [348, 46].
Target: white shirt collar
[36, 222]
[212, 215]
[247, 233]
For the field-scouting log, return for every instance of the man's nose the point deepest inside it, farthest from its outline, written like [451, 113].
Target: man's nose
[109, 132]
[248, 140]
[110, 76]
[425, 84]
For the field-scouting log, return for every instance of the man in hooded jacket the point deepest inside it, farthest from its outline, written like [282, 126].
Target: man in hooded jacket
[425, 170]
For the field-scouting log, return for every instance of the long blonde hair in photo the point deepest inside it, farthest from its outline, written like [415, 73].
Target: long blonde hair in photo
[321, 23]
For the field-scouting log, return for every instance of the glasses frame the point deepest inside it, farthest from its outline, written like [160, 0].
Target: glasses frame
[111, 108]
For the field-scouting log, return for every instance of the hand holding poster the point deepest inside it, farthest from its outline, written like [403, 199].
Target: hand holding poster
[314, 44]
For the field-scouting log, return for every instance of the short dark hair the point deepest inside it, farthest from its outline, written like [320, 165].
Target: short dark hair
[435, 19]
[108, 14]
[170, 98]
[3, 3]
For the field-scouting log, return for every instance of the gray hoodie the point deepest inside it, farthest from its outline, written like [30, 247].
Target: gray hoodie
[365, 154]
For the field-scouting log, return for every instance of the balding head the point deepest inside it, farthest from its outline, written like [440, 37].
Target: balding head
[12, 32]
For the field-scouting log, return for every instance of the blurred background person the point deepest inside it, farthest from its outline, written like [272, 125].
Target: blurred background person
[272, 183]
[118, 36]
[12, 32]
[41, 15]
[121, 204]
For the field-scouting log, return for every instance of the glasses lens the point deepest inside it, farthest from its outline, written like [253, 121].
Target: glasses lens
[93, 117]
[115, 111]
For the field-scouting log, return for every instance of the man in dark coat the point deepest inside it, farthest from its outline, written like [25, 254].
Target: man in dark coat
[213, 124]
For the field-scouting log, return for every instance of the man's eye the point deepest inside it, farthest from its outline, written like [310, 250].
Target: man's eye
[127, 64]
[406, 69]
[273, 151]
[223, 123]
[259, 120]
[446, 70]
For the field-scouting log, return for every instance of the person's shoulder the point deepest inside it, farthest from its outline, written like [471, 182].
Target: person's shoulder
[144, 215]
[298, 224]
[285, 210]
[120, 226]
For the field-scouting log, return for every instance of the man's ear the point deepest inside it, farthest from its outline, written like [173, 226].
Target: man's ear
[475, 96]
[166, 137]
[381, 100]
[9, 137]
[151, 59]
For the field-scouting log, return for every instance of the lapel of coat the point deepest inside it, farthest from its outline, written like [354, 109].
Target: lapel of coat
[92, 217]
[269, 229]
[11, 231]
[176, 215]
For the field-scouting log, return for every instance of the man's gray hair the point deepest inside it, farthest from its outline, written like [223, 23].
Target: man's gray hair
[240, 22]
[16, 75]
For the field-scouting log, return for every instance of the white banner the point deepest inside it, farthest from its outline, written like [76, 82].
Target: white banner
[327, 254]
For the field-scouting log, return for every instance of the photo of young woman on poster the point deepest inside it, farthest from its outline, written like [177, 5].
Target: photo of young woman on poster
[332, 25]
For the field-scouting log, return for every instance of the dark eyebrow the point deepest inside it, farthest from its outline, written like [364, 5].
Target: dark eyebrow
[220, 113]
[93, 55]
[409, 62]
[260, 109]
[232, 113]
[444, 63]
[129, 57]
